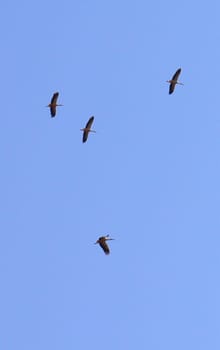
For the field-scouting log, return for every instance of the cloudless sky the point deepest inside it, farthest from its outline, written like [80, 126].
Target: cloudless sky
[149, 177]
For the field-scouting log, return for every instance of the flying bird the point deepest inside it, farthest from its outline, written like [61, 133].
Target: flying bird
[87, 129]
[53, 104]
[102, 242]
[174, 81]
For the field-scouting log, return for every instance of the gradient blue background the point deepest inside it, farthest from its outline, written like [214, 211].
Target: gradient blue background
[150, 176]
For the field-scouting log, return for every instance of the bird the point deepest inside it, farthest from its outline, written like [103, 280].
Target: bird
[102, 242]
[87, 129]
[53, 104]
[174, 81]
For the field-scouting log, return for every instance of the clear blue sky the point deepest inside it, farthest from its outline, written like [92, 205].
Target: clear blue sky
[149, 177]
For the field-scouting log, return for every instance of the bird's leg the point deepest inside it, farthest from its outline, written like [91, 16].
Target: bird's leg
[92, 131]
[179, 83]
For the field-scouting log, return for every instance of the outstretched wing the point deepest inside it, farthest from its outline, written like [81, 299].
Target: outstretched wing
[54, 98]
[53, 110]
[85, 135]
[104, 246]
[176, 75]
[89, 123]
[172, 87]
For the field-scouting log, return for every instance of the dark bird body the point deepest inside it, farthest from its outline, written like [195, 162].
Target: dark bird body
[53, 104]
[87, 129]
[102, 242]
[174, 81]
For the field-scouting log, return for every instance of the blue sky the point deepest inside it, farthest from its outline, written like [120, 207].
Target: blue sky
[149, 177]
